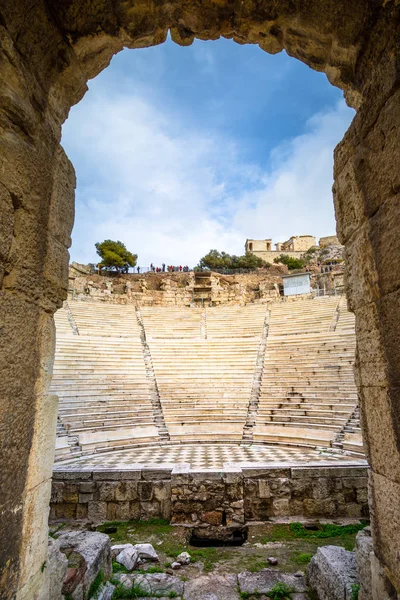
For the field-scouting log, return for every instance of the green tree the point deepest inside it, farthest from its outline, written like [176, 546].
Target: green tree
[222, 260]
[290, 261]
[115, 256]
[216, 260]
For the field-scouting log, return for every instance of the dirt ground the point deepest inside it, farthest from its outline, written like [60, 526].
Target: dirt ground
[292, 544]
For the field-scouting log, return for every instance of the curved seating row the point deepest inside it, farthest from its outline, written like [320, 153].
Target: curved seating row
[204, 364]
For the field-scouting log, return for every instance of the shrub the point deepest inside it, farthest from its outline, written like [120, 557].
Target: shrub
[280, 591]
[291, 262]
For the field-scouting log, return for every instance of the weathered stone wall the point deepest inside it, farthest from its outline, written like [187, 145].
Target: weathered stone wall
[176, 289]
[228, 497]
[48, 52]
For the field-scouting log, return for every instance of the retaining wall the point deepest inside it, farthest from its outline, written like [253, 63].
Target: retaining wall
[229, 497]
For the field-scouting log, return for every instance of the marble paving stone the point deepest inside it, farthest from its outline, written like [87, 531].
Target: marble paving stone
[202, 456]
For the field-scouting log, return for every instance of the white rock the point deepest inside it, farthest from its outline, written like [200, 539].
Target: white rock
[115, 550]
[176, 565]
[106, 592]
[331, 573]
[146, 551]
[272, 560]
[128, 558]
[183, 558]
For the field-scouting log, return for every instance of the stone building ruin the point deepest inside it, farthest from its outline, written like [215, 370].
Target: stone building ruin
[294, 247]
[48, 52]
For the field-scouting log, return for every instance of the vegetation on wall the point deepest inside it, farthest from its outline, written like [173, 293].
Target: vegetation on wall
[115, 256]
[222, 260]
[291, 262]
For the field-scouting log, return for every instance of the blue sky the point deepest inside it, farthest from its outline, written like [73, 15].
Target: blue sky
[179, 150]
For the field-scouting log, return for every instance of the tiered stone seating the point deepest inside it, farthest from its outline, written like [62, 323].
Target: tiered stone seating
[347, 320]
[104, 396]
[303, 316]
[166, 322]
[63, 326]
[204, 386]
[204, 365]
[235, 321]
[96, 318]
[308, 391]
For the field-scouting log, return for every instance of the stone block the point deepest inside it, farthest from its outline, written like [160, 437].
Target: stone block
[56, 565]
[145, 490]
[120, 475]
[84, 498]
[321, 488]
[126, 490]
[87, 487]
[210, 587]
[97, 512]
[57, 492]
[106, 491]
[265, 580]
[88, 554]
[264, 490]
[281, 507]
[65, 475]
[363, 551]
[118, 511]
[156, 474]
[160, 583]
[332, 572]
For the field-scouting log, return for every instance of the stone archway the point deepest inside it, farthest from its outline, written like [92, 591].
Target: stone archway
[49, 49]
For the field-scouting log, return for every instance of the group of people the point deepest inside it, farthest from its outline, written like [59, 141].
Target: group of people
[169, 268]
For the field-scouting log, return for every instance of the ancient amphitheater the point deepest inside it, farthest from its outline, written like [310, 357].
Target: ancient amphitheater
[267, 383]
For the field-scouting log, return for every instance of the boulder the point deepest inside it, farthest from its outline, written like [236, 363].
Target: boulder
[57, 564]
[106, 591]
[88, 553]
[128, 557]
[159, 583]
[332, 572]
[115, 550]
[146, 551]
[183, 558]
[263, 581]
[176, 565]
[212, 587]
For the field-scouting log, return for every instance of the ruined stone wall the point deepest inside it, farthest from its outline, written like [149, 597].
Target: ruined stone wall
[270, 255]
[230, 496]
[176, 289]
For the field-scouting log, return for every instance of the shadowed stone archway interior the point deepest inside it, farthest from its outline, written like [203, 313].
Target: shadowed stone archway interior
[49, 49]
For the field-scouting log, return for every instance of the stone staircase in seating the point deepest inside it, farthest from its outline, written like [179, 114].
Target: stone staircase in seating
[308, 392]
[280, 373]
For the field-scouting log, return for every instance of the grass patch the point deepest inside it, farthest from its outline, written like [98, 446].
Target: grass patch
[118, 568]
[126, 529]
[149, 570]
[280, 591]
[343, 534]
[136, 591]
[355, 588]
[53, 533]
[96, 585]
[301, 558]
[257, 566]
[326, 530]
[208, 556]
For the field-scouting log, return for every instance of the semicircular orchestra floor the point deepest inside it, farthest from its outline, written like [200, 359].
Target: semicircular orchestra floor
[206, 456]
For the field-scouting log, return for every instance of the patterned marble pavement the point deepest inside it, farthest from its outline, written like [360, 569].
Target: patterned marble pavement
[204, 456]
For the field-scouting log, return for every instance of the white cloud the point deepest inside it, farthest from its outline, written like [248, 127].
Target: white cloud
[171, 192]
